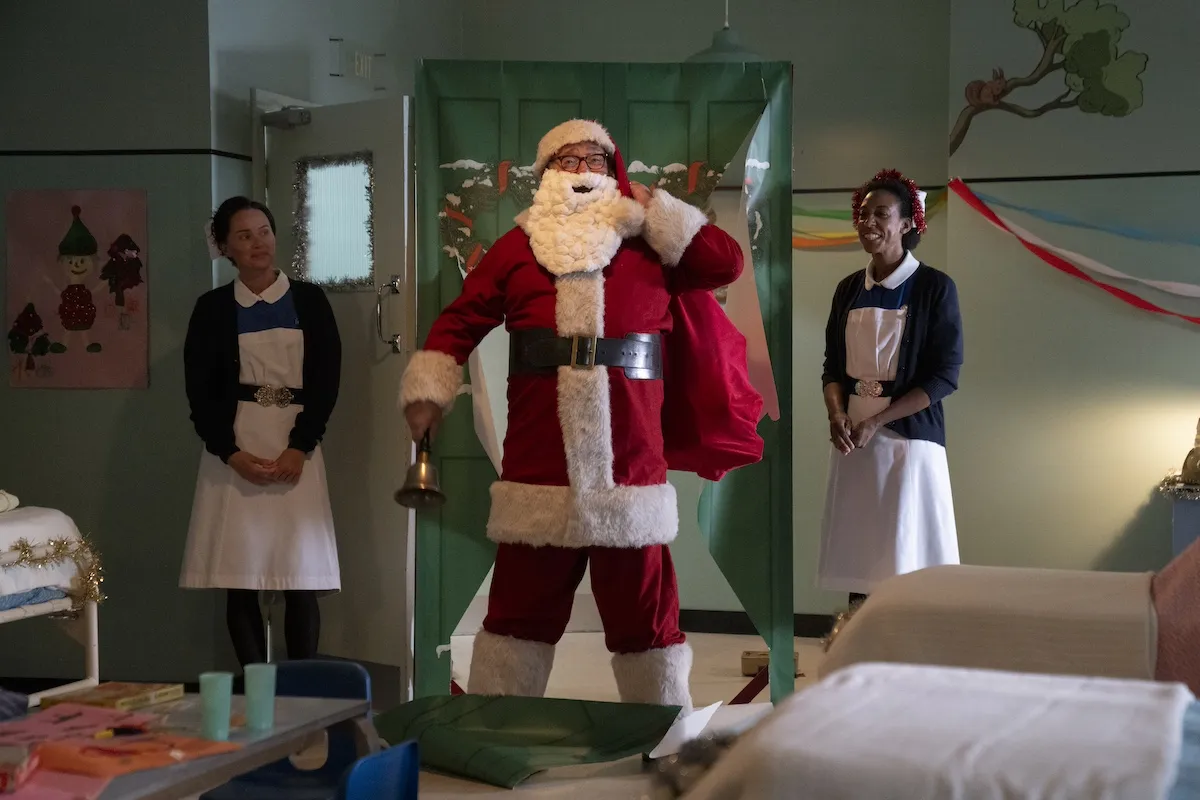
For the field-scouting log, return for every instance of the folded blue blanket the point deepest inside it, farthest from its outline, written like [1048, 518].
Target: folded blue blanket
[32, 597]
[12, 705]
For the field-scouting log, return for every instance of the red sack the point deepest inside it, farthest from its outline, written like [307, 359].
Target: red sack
[710, 409]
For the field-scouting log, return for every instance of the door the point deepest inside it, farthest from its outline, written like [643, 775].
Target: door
[338, 182]
[478, 128]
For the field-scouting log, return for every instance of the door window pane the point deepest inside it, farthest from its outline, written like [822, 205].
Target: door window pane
[334, 228]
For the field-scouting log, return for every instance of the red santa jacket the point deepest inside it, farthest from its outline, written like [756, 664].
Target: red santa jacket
[583, 456]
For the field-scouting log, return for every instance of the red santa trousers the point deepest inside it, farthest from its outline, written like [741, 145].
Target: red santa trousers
[532, 592]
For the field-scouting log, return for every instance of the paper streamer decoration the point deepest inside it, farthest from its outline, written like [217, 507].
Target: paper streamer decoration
[1078, 265]
[1057, 218]
[803, 239]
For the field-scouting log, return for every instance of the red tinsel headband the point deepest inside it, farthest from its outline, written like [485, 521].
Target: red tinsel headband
[914, 195]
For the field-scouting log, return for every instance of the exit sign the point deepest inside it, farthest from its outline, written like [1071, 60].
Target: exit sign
[350, 60]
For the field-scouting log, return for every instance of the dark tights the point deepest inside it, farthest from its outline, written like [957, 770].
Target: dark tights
[301, 625]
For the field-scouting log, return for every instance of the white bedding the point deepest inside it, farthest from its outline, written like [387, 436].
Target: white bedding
[1056, 622]
[37, 526]
[896, 732]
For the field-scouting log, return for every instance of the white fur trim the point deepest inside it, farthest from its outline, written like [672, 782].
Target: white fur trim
[584, 401]
[658, 677]
[503, 665]
[572, 231]
[431, 375]
[573, 131]
[623, 516]
[671, 224]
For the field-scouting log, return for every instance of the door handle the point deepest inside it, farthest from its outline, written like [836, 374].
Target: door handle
[393, 286]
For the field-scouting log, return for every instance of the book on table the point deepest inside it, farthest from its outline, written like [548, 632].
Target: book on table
[120, 696]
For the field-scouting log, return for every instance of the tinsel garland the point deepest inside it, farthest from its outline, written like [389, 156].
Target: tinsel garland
[674, 776]
[839, 624]
[1173, 487]
[55, 552]
[300, 217]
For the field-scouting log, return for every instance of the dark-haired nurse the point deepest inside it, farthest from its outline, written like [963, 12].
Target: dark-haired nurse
[262, 365]
[893, 351]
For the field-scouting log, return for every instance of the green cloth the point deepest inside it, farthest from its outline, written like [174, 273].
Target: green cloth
[79, 240]
[504, 740]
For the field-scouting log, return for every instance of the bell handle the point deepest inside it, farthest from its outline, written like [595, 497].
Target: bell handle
[424, 447]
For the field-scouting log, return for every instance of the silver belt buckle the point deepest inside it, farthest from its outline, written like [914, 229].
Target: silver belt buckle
[868, 388]
[268, 396]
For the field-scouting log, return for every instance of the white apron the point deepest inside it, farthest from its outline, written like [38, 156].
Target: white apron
[888, 506]
[274, 537]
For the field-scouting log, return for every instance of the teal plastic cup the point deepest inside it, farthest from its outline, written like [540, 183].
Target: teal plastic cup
[260, 697]
[216, 700]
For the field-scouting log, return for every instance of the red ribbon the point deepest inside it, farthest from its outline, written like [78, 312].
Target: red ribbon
[1058, 262]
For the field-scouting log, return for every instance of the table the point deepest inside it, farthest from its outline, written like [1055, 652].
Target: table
[626, 778]
[296, 720]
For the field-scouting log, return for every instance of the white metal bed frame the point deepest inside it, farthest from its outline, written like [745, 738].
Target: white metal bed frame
[91, 644]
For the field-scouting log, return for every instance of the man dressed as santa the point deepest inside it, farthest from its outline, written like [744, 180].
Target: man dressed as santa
[584, 284]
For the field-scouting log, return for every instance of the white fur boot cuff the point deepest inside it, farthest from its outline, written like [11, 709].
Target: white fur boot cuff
[503, 665]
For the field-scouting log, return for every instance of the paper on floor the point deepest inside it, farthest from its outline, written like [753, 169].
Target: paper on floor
[686, 728]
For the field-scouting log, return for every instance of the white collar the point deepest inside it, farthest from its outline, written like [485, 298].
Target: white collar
[899, 275]
[276, 290]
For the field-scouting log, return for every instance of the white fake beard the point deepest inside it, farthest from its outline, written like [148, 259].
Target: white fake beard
[580, 231]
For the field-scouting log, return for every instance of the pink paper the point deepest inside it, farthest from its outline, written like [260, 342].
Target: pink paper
[68, 721]
[76, 313]
[46, 785]
[741, 303]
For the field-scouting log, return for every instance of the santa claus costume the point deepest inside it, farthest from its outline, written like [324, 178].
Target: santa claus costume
[586, 285]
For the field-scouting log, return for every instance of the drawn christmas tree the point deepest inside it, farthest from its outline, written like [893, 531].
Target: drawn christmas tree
[21, 336]
[124, 268]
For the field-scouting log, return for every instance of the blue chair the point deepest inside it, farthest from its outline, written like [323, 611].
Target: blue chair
[388, 775]
[343, 680]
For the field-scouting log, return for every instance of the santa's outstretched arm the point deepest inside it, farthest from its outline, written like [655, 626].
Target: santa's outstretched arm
[434, 373]
[701, 255]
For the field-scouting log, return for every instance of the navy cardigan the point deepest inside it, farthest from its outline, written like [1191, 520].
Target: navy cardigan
[212, 366]
[931, 352]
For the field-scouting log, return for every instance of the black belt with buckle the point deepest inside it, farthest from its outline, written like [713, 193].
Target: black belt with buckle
[267, 396]
[868, 388]
[541, 350]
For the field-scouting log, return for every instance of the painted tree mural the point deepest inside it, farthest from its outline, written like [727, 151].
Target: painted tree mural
[1079, 40]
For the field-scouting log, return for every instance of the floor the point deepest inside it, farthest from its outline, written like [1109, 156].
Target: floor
[582, 670]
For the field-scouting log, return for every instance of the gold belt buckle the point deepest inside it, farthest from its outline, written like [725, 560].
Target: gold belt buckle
[591, 363]
[868, 388]
[268, 396]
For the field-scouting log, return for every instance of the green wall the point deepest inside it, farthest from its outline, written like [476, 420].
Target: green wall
[121, 463]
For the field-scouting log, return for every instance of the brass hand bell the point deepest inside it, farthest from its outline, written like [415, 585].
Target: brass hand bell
[421, 489]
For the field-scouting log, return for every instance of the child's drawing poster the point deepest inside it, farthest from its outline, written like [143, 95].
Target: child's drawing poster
[77, 289]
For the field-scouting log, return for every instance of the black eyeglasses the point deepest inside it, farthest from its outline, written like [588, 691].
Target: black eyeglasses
[596, 162]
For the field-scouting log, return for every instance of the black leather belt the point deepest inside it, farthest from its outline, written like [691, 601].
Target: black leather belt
[869, 388]
[280, 396]
[540, 350]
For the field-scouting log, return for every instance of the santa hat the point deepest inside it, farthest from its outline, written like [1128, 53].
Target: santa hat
[576, 131]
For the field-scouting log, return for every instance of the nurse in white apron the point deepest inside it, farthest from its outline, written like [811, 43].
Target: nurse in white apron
[893, 352]
[262, 363]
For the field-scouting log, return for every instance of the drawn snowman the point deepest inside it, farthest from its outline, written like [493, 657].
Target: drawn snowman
[77, 305]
